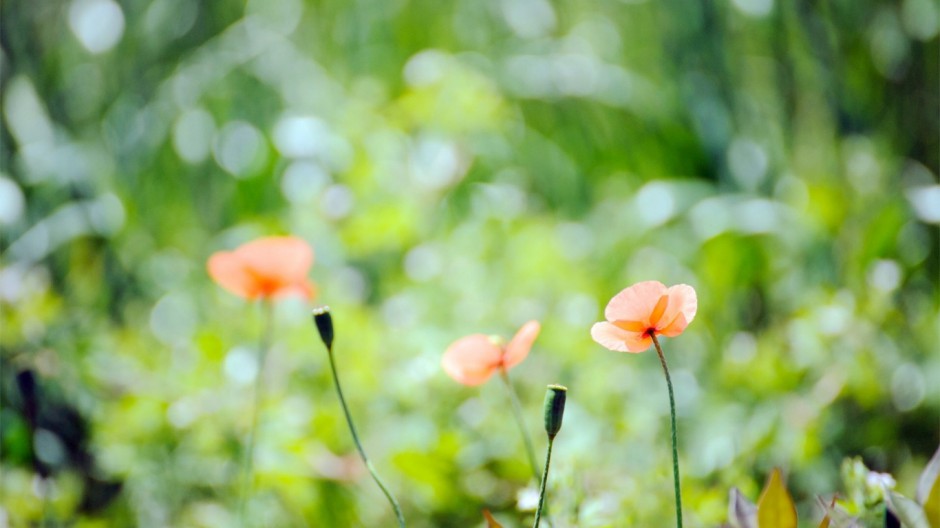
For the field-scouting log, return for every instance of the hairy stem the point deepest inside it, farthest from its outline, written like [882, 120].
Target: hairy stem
[362, 453]
[675, 448]
[548, 461]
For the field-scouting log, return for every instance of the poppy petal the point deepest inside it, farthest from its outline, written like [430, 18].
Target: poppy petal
[618, 339]
[518, 348]
[471, 360]
[676, 327]
[635, 303]
[683, 304]
[306, 289]
[227, 270]
[283, 261]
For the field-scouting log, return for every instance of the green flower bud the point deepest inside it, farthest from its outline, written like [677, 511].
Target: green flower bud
[554, 409]
[324, 322]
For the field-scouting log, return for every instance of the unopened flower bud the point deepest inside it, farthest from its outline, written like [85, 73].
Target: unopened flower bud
[324, 322]
[554, 409]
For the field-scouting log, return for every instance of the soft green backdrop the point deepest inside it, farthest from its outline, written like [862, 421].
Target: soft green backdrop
[463, 167]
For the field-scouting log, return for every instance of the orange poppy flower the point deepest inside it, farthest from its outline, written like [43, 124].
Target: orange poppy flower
[637, 313]
[265, 268]
[473, 359]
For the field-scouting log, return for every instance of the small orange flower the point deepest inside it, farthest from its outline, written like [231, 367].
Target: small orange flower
[265, 268]
[473, 359]
[637, 313]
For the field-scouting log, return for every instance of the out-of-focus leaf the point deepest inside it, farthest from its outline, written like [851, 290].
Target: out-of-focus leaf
[928, 490]
[490, 521]
[907, 511]
[932, 506]
[742, 513]
[775, 508]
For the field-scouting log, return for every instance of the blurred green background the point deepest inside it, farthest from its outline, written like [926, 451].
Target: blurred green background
[463, 167]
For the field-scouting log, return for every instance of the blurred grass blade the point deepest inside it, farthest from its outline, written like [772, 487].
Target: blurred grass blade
[491, 522]
[907, 511]
[928, 490]
[824, 523]
[742, 513]
[775, 509]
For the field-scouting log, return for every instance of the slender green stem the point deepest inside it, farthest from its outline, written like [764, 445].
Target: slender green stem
[362, 453]
[675, 448]
[526, 439]
[548, 461]
[248, 456]
[45, 486]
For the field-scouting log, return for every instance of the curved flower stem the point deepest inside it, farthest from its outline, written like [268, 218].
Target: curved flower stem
[248, 480]
[548, 461]
[517, 411]
[362, 453]
[672, 413]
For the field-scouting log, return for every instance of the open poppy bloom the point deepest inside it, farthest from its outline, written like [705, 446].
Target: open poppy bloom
[265, 268]
[637, 313]
[473, 359]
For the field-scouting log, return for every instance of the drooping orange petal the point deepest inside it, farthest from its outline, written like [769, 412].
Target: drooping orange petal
[520, 344]
[472, 360]
[635, 303]
[618, 339]
[227, 270]
[683, 304]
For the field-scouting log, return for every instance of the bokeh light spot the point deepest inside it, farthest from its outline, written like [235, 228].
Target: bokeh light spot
[241, 365]
[12, 201]
[192, 135]
[240, 149]
[907, 387]
[98, 24]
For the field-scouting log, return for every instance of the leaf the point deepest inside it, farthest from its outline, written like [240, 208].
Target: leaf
[928, 490]
[908, 512]
[775, 508]
[932, 505]
[490, 521]
[742, 513]
[928, 479]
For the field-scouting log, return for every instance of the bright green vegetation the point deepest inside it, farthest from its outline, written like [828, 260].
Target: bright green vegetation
[464, 167]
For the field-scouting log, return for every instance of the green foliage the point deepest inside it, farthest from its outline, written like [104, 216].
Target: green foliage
[464, 167]
[870, 500]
